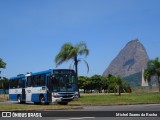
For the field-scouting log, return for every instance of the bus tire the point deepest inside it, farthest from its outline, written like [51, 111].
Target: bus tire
[19, 99]
[36, 103]
[47, 103]
[42, 101]
[63, 103]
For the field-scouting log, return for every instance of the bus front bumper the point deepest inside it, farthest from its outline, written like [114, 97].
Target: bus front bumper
[62, 99]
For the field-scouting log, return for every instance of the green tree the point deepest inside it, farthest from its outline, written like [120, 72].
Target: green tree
[4, 84]
[119, 84]
[153, 69]
[84, 83]
[2, 65]
[97, 82]
[105, 83]
[115, 83]
[126, 87]
[111, 83]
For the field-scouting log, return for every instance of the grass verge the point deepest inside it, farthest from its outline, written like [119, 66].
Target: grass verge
[28, 107]
[109, 99]
[20, 107]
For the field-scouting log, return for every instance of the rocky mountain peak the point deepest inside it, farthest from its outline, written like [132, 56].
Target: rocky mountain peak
[131, 59]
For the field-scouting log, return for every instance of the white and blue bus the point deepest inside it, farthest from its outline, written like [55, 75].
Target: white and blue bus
[54, 85]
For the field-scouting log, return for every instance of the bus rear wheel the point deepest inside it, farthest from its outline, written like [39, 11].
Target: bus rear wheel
[42, 100]
[63, 103]
[19, 99]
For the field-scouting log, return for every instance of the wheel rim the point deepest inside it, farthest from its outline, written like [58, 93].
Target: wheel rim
[42, 100]
[19, 99]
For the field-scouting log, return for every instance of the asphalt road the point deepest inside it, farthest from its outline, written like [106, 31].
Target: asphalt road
[138, 107]
[83, 118]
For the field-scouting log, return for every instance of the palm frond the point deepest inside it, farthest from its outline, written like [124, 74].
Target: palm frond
[82, 48]
[70, 66]
[72, 53]
[68, 52]
[87, 65]
[64, 53]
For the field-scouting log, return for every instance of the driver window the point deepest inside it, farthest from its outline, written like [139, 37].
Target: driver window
[54, 81]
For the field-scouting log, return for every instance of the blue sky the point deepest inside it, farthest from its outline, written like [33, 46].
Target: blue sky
[33, 31]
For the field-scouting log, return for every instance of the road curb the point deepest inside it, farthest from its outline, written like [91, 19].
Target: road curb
[113, 104]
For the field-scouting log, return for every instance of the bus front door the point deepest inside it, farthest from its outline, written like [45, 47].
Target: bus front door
[23, 91]
[23, 95]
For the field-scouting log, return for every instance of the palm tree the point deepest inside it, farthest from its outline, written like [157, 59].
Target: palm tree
[70, 52]
[153, 69]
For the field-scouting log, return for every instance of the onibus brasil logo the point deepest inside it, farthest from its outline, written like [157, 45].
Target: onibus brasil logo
[18, 114]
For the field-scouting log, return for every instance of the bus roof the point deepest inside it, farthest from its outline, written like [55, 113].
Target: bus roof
[46, 72]
[19, 76]
[42, 72]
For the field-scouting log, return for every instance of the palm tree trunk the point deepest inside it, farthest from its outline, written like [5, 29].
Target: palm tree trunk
[76, 66]
[76, 70]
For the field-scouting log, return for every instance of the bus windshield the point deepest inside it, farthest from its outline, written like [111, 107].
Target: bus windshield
[62, 83]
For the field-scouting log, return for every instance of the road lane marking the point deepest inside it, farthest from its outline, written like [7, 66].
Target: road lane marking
[76, 118]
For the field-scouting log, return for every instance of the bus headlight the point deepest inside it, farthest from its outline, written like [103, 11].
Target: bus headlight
[55, 95]
[76, 93]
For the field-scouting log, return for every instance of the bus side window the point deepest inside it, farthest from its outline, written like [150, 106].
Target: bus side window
[29, 81]
[36, 81]
[11, 83]
[33, 78]
[33, 81]
[42, 80]
[23, 84]
[16, 83]
[19, 84]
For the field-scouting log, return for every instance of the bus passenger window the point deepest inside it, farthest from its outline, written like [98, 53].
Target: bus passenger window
[42, 80]
[19, 83]
[29, 81]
